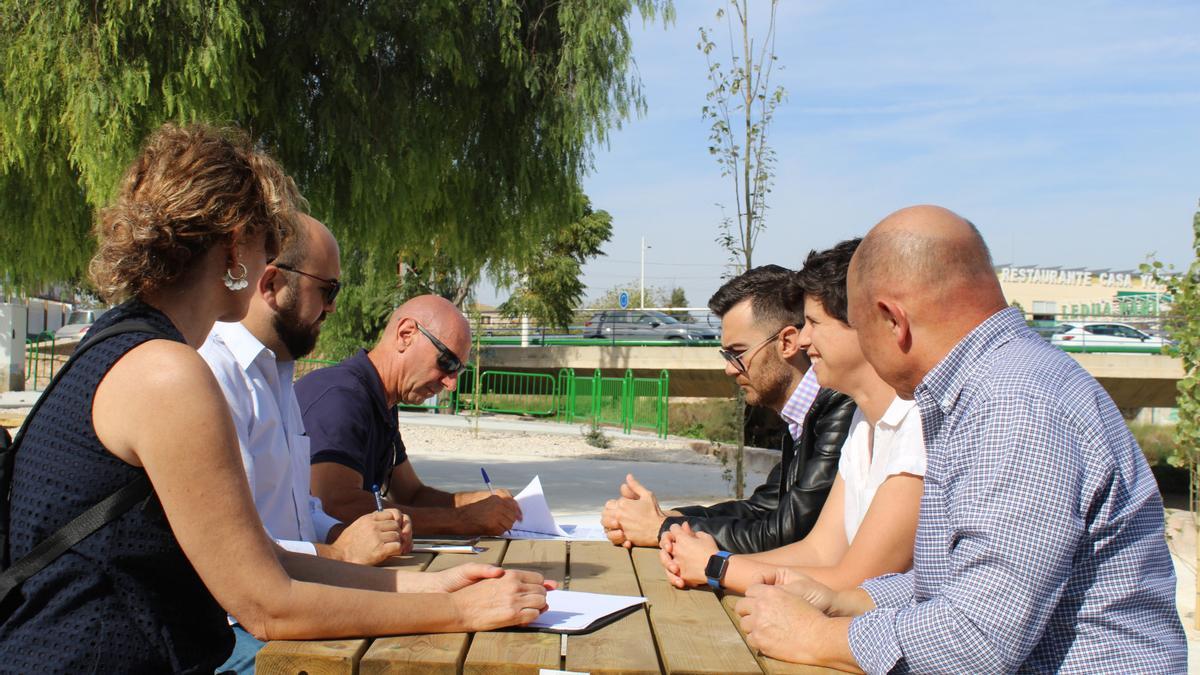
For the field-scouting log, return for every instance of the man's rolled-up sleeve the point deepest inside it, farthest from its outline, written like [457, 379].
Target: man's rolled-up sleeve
[890, 590]
[872, 635]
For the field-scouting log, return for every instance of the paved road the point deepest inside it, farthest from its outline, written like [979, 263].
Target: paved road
[576, 487]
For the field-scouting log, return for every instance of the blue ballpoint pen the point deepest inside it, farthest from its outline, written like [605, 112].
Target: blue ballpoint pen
[378, 499]
[486, 481]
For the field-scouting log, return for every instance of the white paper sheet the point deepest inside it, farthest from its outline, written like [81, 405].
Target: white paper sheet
[535, 513]
[585, 532]
[538, 523]
[572, 610]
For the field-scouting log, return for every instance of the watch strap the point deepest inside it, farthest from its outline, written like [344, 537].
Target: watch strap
[715, 582]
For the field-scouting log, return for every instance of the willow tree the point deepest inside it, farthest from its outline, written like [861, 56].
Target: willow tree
[408, 125]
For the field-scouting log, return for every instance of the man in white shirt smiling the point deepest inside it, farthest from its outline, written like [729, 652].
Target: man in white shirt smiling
[254, 362]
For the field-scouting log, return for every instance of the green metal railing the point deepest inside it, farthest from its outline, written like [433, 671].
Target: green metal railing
[40, 363]
[627, 402]
[514, 393]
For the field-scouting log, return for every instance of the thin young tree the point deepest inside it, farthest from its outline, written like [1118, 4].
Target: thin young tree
[740, 107]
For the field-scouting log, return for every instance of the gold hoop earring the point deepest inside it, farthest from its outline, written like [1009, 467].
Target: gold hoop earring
[236, 283]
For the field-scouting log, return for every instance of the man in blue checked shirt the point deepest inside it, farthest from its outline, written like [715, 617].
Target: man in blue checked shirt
[1040, 545]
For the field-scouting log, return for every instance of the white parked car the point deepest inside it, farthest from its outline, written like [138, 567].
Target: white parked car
[78, 323]
[1105, 336]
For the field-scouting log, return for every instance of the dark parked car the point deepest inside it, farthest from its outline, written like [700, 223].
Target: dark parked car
[645, 324]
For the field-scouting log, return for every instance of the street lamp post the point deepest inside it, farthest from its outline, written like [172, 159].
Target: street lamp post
[642, 284]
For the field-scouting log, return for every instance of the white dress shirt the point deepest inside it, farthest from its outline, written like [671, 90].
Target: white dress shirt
[270, 433]
[899, 448]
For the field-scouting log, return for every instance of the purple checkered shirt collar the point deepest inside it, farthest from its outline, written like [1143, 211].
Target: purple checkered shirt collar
[796, 408]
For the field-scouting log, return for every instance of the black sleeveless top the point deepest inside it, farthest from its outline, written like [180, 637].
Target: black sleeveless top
[125, 599]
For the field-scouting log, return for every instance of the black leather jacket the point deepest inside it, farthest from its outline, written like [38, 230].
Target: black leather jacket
[786, 507]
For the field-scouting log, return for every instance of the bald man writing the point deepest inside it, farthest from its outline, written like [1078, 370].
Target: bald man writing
[350, 413]
[1040, 543]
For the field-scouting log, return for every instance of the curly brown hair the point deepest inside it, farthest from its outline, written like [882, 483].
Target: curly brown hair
[190, 188]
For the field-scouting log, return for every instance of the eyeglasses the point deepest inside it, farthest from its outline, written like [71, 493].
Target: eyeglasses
[447, 360]
[736, 357]
[329, 291]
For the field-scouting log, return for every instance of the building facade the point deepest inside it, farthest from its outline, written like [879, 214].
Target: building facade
[1054, 293]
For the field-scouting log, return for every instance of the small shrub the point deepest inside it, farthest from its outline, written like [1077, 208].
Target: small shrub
[594, 436]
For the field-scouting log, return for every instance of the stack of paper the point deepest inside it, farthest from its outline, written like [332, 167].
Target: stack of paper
[538, 523]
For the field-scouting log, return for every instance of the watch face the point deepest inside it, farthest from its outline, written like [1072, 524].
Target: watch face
[716, 567]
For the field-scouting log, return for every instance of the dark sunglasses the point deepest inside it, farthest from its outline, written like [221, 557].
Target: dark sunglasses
[447, 360]
[736, 357]
[329, 290]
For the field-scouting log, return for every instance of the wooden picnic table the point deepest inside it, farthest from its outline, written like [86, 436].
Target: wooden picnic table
[692, 631]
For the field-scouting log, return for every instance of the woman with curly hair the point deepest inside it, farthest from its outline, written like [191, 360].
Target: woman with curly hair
[198, 215]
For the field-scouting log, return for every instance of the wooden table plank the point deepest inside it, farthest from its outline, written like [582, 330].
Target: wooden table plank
[323, 657]
[769, 665]
[310, 657]
[507, 652]
[434, 653]
[626, 646]
[692, 630]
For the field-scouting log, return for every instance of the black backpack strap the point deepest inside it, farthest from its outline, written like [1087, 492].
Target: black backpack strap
[107, 510]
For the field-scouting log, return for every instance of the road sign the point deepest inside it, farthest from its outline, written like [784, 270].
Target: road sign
[623, 299]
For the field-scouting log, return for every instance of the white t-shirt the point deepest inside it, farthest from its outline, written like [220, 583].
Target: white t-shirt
[899, 448]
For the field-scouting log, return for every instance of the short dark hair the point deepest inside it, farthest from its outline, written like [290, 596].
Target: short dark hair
[775, 296]
[824, 276]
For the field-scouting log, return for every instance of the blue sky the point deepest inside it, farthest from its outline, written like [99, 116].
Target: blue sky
[1068, 131]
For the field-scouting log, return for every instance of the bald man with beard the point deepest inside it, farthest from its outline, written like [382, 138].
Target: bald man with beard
[1040, 543]
[350, 413]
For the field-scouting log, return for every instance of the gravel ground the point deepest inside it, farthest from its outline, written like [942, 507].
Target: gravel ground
[435, 441]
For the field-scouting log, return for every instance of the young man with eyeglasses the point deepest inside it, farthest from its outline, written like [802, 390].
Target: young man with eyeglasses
[253, 361]
[350, 413]
[867, 525]
[761, 314]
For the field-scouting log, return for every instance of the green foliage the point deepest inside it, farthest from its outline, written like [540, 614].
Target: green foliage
[679, 299]
[656, 296]
[549, 286]
[363, 307]
[456, 129]
[712, 419]
[1157, 442]
[1185, 329]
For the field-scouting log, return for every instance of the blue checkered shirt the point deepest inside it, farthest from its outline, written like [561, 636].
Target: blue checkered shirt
[1040, 545]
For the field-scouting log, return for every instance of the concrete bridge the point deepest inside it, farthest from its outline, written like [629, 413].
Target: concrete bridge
[1133, 380]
